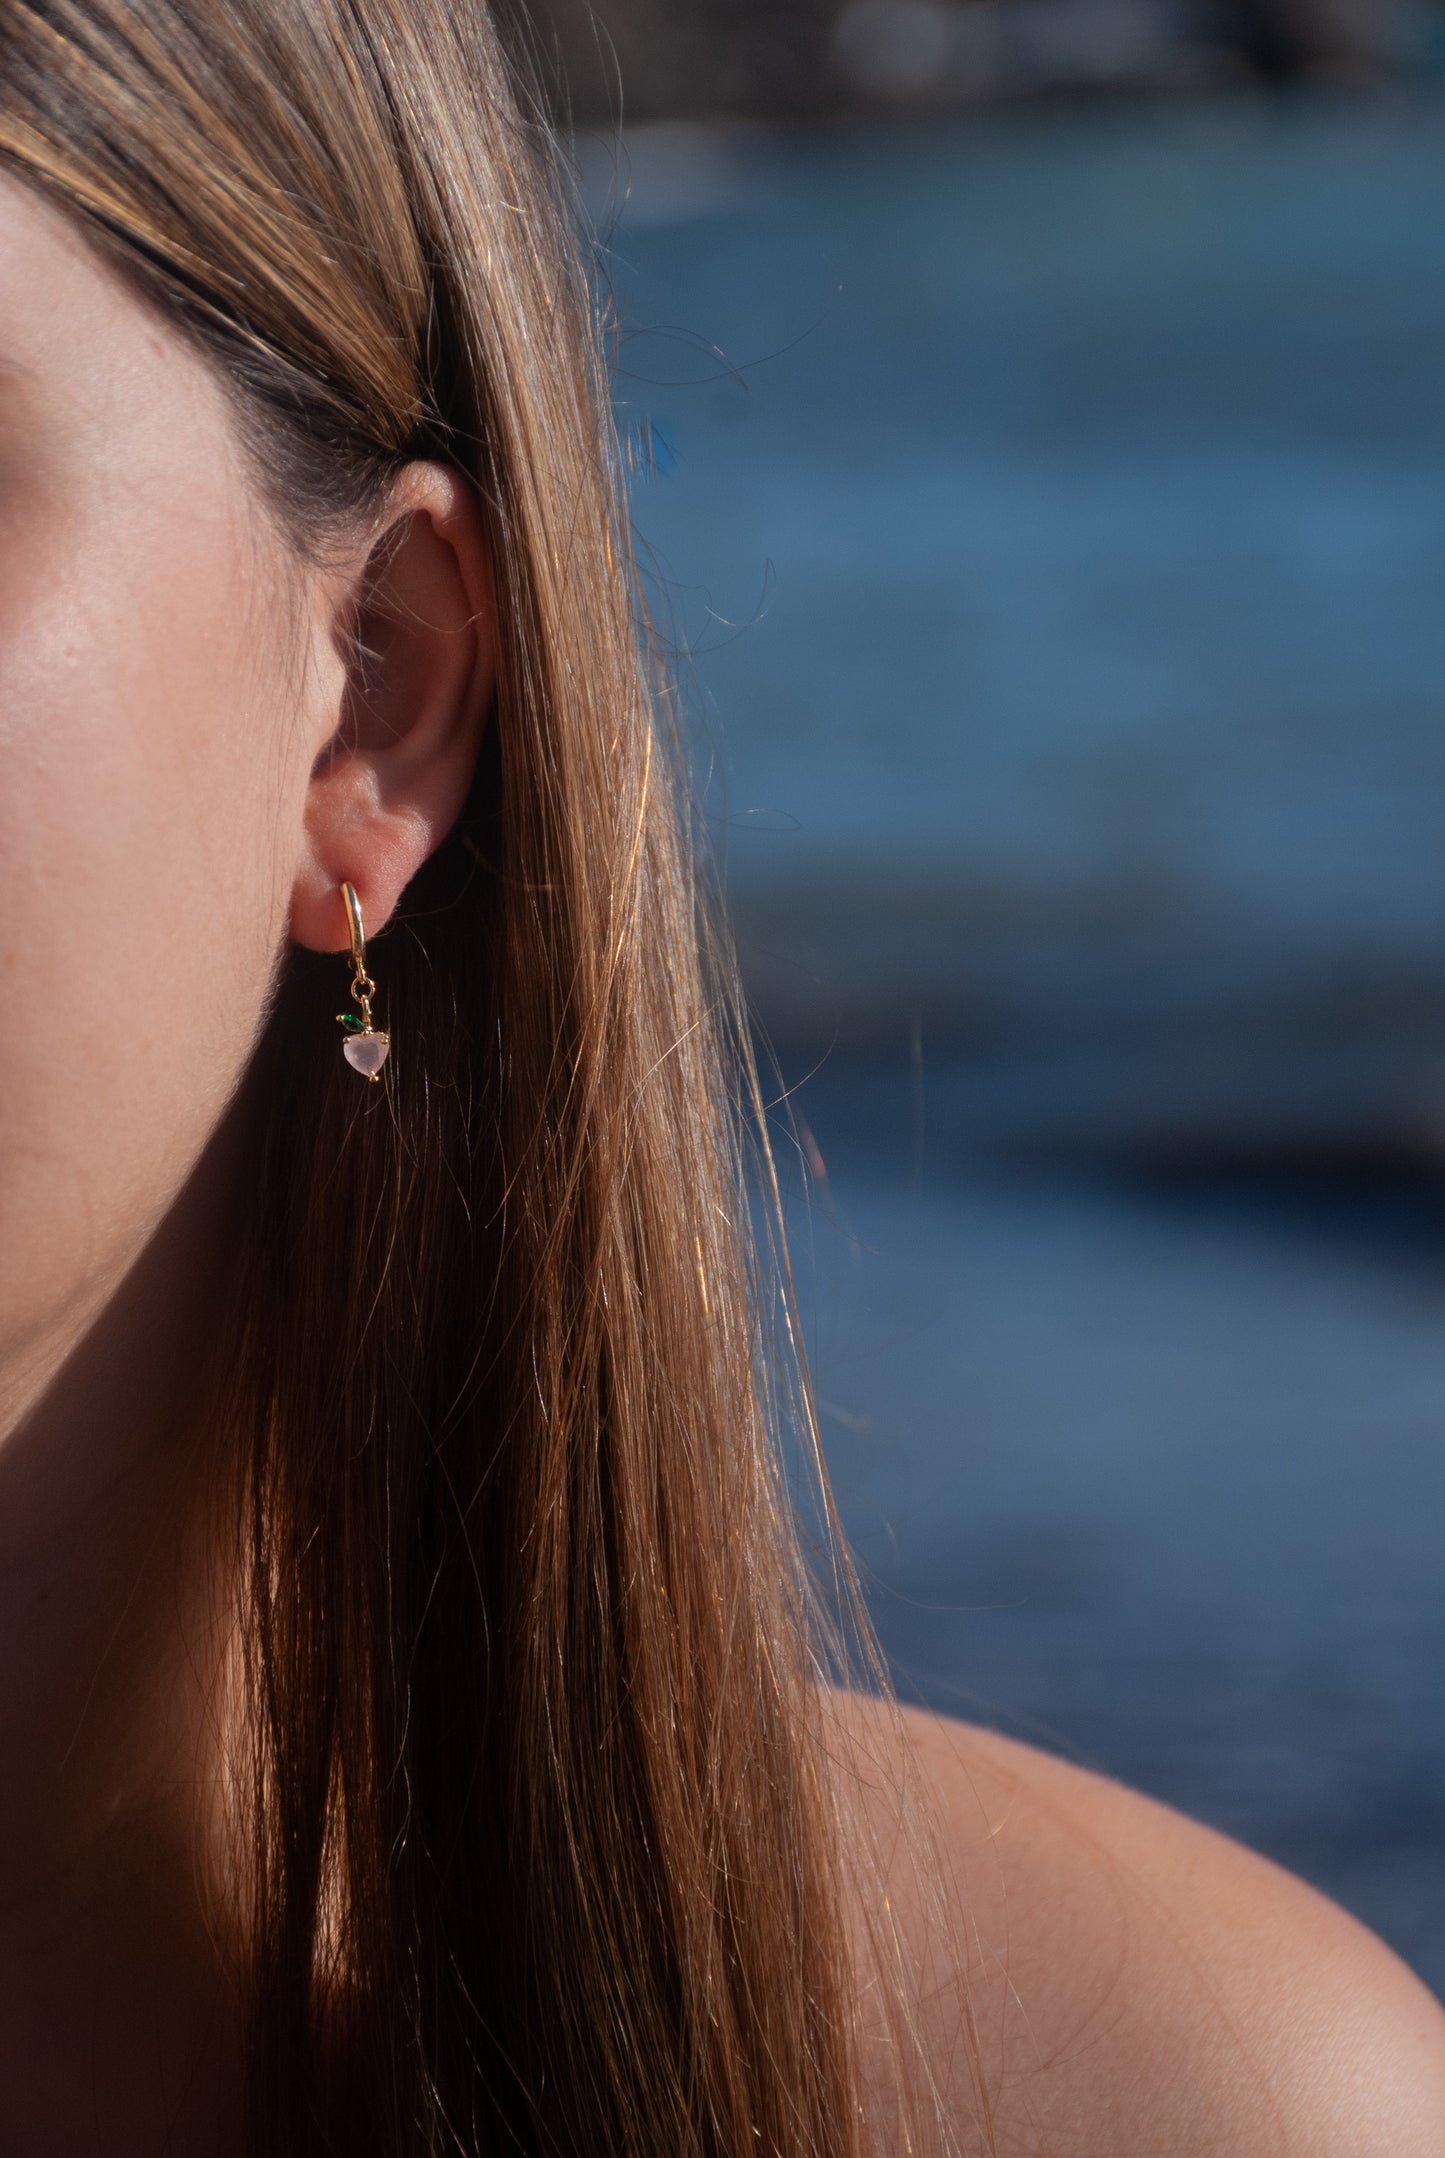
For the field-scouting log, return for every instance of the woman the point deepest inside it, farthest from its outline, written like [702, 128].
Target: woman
[418, 1732]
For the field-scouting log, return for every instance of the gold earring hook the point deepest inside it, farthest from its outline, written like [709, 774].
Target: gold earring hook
[358, 934]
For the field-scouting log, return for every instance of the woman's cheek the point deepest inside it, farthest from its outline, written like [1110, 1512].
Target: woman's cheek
[137, 856]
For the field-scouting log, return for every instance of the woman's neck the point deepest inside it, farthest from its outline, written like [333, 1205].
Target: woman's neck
[115, 2013]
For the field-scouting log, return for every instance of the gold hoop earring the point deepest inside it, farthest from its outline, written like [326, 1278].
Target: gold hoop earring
[366, 1047]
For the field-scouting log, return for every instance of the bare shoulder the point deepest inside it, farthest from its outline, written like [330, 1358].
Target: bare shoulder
[1127, 1979]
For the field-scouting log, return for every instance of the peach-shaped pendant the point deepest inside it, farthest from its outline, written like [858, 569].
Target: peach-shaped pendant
[367, 1053]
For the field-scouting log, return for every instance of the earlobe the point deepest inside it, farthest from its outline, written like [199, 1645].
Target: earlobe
[406, 684]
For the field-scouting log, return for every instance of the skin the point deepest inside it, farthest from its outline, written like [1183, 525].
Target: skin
[1138, 1985]
[192, 764]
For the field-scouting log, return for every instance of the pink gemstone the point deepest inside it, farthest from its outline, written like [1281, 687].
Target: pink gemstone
[367, 1052]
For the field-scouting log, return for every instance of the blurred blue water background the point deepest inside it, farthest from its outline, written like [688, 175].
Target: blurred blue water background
[1048, 509]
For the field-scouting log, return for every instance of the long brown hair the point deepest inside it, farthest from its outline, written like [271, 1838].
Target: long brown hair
[542, 1844]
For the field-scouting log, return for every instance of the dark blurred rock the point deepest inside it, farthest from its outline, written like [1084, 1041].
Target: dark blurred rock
[634, 60]
[1286, 40]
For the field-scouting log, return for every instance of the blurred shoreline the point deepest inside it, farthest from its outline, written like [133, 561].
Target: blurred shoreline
[625, 61]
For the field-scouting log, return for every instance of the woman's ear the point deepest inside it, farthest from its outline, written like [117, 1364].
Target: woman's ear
[399, 705]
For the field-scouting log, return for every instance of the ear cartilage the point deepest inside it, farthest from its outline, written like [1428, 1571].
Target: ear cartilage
[366, 1047]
